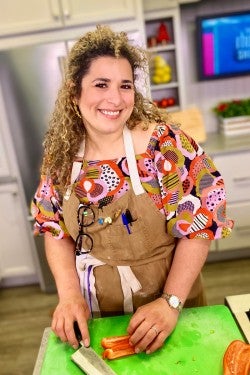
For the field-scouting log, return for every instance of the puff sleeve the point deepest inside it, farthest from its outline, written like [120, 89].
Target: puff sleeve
[46, 209]
[192, 189]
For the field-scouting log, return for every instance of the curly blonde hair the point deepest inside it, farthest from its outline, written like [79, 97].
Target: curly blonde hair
[66, 129]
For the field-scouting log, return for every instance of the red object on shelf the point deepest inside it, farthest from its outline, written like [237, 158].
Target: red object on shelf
[167, 102]
[171, 101]
[163, 35]
[164, 103]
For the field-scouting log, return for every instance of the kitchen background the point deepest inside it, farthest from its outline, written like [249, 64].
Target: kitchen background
[33, 44]
[206, 94]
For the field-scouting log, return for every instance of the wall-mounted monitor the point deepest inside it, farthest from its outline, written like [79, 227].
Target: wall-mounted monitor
[223, 45]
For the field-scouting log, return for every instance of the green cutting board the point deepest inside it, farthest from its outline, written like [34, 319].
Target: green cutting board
[196, 346]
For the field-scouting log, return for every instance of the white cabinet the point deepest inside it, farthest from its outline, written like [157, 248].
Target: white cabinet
[162, 30]
[234, 168]
[16, 260]
[34, 15]
[236, 174]
[240, 236]
[28, 15]
[150, 5]
[82, 12]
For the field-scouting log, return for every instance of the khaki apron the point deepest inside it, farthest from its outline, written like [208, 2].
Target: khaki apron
[124, 271]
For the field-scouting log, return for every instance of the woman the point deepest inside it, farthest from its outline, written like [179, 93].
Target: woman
[127, 202]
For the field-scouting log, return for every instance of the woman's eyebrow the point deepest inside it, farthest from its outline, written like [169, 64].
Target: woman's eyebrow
[102, 79]
[108, 80]
[127, 81]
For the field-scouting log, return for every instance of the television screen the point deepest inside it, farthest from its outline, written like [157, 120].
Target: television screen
[223, 45]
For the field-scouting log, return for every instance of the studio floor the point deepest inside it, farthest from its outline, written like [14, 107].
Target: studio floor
[26, 311]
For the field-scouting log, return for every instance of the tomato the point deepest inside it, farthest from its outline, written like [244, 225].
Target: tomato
[171, 101]
[236, 359]
[164, 103]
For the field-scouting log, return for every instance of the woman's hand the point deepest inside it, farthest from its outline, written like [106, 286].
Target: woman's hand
[68, 311]
[151, 325]
[72, 306]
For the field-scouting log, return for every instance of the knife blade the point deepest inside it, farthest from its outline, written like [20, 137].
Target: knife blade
[90, 362]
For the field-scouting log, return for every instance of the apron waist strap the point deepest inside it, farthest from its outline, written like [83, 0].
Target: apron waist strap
[129, 283]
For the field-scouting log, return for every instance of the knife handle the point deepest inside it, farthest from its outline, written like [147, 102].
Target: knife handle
[77, 331]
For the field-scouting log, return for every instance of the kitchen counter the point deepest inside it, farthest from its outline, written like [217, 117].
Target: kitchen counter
[240, 307]
[196, 346]
[217, 144]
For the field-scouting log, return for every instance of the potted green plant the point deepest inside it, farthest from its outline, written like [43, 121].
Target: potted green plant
[234, 116]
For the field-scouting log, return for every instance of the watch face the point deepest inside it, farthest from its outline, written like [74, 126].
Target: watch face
[174, 301]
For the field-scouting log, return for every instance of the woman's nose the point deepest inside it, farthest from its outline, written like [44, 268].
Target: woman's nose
[114, 96]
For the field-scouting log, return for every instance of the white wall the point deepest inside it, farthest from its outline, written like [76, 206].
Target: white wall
[206, 94]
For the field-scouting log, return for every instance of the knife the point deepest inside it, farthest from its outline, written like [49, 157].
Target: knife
[90, 362]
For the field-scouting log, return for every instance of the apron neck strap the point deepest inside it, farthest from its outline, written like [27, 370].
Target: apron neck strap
[76, 168]
[81, 150]
[132, 165]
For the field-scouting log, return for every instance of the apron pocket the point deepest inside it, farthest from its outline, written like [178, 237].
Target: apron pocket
[128, 243]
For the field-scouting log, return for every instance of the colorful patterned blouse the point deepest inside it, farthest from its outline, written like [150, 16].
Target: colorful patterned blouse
[176, 173]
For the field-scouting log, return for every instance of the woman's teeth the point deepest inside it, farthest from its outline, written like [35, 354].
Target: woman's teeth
[110, 113]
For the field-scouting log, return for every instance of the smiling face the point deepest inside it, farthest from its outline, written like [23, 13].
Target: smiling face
[107, 95]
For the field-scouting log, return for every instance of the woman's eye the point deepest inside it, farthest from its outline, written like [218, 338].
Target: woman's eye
[101, 85]
[127, 86]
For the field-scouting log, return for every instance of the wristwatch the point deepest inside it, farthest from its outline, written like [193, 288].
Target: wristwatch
[173, 301]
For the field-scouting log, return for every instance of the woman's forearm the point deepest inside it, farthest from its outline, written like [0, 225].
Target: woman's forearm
[61, 259]
[189, 258]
